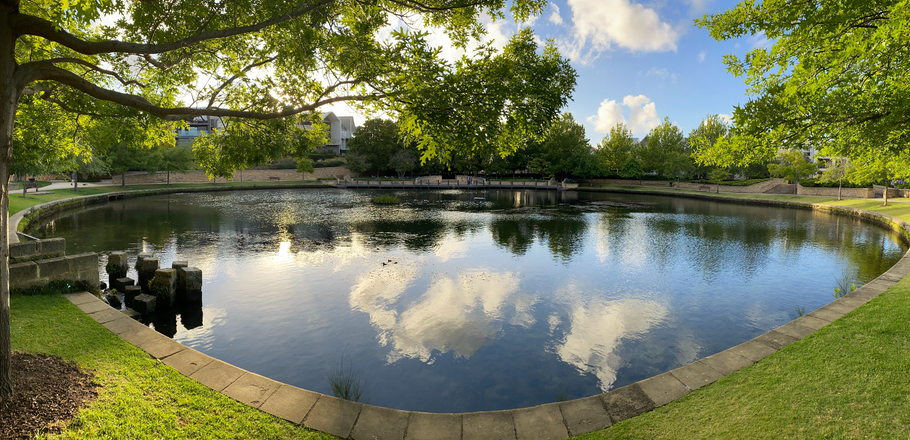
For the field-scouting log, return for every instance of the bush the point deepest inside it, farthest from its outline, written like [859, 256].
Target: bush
[733, 182]
[815, 183]
[58, 287]
[284, 164]
[329, 163]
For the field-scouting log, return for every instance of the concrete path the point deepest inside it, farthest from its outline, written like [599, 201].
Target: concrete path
[551, 421]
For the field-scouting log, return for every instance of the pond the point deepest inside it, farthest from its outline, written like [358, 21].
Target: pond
[445, 303]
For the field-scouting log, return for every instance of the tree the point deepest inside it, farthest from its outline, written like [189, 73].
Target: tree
[177, 159]
[616, 148]
[836, 172]
[704, 141]
[792, 166]
[835, 78]
[665, 152]
[233, 60]
[402, 162]
[564, 152]
[632, 170]
[377, 140]
[356, 162]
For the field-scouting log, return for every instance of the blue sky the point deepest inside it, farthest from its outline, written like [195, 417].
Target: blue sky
[641, 62]
[637, 61]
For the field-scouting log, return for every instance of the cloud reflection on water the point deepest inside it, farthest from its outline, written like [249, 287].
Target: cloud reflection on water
[456, 314]
[596, 328]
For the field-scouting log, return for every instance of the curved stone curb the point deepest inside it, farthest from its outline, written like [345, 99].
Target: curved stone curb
[549, 421]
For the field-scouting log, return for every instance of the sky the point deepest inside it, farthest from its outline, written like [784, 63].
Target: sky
[637, 61]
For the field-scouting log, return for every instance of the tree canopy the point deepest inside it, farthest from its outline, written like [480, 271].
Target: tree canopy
[835, 79]
[267, 67]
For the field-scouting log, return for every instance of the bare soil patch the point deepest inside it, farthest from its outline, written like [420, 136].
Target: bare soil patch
[48, 391]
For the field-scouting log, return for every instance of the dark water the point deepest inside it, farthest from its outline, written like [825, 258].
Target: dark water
[446, 304]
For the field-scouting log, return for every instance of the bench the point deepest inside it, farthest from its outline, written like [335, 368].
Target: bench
[271, 178]
[704, 188]
[30, 185]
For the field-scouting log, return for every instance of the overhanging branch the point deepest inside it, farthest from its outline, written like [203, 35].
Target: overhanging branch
[49, 72]
[31, 25]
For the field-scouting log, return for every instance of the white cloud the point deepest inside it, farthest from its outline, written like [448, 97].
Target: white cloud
[642, 114]
[601, 25]
[555, 18]
[726, 118]
[663, 74]
[608, 115]
[701, 55]
[760, 40]
[699, 6]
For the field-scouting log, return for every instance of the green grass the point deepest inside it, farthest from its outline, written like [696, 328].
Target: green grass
[139, 397]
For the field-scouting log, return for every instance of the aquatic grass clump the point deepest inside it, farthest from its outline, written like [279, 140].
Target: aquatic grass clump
[346, 383]
[386, 200]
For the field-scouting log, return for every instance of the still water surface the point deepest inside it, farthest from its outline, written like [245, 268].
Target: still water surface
[447, 304]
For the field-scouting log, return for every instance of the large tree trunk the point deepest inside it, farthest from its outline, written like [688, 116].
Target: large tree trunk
[9, 97]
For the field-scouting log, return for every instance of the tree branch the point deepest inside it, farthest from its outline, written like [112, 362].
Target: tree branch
[31, 25]
[238, 75]
[95, 68]
[49, 72]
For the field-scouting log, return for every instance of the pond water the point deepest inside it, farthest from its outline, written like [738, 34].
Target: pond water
[445, 303]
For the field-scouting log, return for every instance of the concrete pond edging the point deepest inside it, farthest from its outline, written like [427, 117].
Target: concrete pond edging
[551, 421]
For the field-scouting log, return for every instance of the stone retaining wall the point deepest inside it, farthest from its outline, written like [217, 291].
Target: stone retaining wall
[244, 176]
[852, 193]
[758, 188]
[48, 263]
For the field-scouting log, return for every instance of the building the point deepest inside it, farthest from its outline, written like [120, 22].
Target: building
[197, 127]
[341, 129]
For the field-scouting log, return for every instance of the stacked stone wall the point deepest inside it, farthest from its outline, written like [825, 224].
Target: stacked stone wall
[37, 263]
[850, 193]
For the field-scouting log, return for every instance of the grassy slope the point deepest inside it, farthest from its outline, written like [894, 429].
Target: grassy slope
[139, 397]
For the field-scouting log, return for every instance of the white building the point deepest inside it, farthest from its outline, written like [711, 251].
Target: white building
[341, 130]
[198, 126]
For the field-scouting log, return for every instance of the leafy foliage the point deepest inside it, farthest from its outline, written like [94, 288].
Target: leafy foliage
[835, 78]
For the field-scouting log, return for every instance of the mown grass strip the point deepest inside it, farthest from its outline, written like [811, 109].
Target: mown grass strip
[139, 397]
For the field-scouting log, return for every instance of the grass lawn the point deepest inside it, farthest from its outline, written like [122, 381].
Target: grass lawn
[139, 397]
[847, 380]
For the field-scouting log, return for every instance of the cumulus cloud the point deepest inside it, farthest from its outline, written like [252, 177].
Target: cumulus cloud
[555, 18]
[608, 115]
[601, 25]
[726, 118]
[701, 55]
[642, 114]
